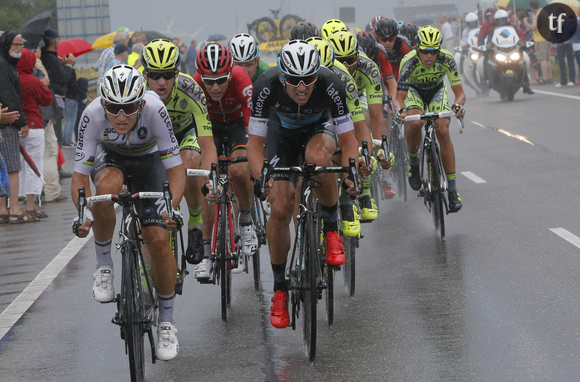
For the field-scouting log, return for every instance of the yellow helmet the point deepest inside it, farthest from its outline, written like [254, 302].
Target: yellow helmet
[160, 54]
[343, 43]
[332, 26]
[429, 38]
[324, 49]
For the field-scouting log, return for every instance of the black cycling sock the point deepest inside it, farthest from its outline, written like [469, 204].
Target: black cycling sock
[451, 182]
[329, 215]
[414, 159]
[206, 248]
[279, 277]
[245, 217]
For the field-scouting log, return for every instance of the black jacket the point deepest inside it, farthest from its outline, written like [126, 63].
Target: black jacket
[58, 74]
[10, 90]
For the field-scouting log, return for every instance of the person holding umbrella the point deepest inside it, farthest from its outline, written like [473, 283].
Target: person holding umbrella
[34, 92]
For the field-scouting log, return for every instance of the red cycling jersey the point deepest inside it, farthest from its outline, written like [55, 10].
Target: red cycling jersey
[237, 100]
[384, 66]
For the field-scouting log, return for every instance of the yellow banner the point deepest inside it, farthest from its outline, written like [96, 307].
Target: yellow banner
[273, 45]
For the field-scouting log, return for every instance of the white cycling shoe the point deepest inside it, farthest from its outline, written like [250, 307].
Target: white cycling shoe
[249, 239]
[103, 288]
[167, 344]
[203, 270]
[266, 205]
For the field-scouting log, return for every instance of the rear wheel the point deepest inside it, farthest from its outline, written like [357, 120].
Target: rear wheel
[131, 294]
[329, 278]
[349, 264]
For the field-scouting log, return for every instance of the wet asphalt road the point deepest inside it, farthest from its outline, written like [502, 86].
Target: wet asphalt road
[496, 301]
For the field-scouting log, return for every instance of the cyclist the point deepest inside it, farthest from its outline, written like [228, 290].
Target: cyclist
[228, 91]
[186, 104]
[292, 106]
[387, 32]
[124, 133]
[246, 54]
[304, 30]
[409, 30]
[367, 78]
[348, 211]
[422, 86]
[331, 26]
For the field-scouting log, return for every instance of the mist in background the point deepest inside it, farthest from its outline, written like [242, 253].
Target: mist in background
[198, 19]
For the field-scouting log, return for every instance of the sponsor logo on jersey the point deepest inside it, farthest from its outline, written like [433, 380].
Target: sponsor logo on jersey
[165, 117]
[260, 101]
[340, 121]
[81, 134]
[335, 96]
[142, 132]
[79, 156]
[183, 104]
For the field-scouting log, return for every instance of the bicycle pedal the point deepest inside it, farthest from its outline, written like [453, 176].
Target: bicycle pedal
[421, 194]
[366, 221]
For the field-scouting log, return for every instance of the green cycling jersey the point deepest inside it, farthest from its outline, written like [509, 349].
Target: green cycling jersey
[367, 77]
[354, 105]
[262, 67]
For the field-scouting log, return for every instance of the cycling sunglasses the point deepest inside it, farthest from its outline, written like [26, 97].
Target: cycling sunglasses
[129, 109]
[433, 52]
[295, 81]
[156, 76]
[211, 81]
[348, 61]
[387, 39]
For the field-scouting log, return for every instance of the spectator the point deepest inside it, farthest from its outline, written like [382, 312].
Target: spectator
[542, 46]
[59, 73]
[109, 54]
[139, 38]
[10, 96]
[575, 40]
[134, 58]
[183, 57]
[70, 111]
[528, 35]
[447, 34]
[191, 54]
[121, 54]
[34, 92]
[83, 99]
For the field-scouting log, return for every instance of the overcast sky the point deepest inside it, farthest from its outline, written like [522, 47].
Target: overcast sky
[222, 16]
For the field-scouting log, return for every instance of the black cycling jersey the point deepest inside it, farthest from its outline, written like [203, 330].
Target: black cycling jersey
[273, 107]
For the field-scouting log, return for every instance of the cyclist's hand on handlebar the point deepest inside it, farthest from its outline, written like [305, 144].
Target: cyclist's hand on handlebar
[459, 110]
[401, 114]
[349, 186]
[362, 167]
[387, 164]
[258, 187]
[84, 229]
[211, 197]
[174, 224]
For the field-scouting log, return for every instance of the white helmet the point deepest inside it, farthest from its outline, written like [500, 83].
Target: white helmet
[470, 17]
[298, 58]
[122, 84]
[501, 15]
[243, 47]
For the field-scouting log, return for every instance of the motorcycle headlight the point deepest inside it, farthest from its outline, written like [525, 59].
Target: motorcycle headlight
[474, 57]
[500, 57]
[515, 56]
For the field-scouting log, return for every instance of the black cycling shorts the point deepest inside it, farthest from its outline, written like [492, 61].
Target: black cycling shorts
[236, 134]
[142, 173]
[285, 147]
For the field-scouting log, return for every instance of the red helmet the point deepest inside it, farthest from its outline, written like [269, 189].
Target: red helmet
[214, 58]
[490, 12]
[375, 20]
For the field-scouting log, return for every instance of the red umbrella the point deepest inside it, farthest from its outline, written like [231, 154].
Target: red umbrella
[30, 162]
[74, 46]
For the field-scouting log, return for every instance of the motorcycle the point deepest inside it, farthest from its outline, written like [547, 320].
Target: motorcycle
[507, 62]
[467, 57]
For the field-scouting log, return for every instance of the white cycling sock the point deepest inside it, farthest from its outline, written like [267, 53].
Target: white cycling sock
[166, 308]
[103, 250]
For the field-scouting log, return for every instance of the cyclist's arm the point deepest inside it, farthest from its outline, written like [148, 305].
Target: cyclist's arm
[377, 120]
[244, 89]
[85, 152]
[79, 180]
[459, 95]
[392, 85]
[176, 176]
[255, 153]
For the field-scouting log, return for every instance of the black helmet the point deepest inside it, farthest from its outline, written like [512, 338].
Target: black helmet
[410, 30]
[304, 30]
[387, 28]
[368, 44]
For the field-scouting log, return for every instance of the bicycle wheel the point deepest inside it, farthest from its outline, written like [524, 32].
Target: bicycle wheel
[436, 192]
[232, 233]
[310, 293]
[349, 264]
[260, 221]
[287, 23]
[329, 278]
[131, 294]
[221, 249]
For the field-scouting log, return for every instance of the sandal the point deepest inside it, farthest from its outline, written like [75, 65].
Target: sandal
[23, 218]
[37, 213]
[4, 219]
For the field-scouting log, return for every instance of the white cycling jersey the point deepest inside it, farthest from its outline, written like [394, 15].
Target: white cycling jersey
[152, 133]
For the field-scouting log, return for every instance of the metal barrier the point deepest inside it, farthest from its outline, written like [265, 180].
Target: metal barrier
[93, 84]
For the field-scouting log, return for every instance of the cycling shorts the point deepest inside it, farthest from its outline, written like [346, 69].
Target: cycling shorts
[236, 134]
[285, 147]
[436, 103]
[188, 140]
[141, 173]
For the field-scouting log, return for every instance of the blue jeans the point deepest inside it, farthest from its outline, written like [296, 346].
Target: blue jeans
[565, 53]
[70, 114]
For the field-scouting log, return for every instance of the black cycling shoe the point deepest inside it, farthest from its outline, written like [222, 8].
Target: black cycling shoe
[194, 253]
[414, 178]
[454, 201]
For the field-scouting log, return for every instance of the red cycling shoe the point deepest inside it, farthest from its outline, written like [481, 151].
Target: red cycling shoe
[279, 317]
[388, 191]
[334, 249]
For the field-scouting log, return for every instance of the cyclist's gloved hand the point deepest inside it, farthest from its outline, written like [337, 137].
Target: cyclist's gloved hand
[387, 164]
[178, 218]
[82, 230]
[258, 187]
[401, 114]
[206, 189]
[348, 186]
[174, 224]
[458, 109]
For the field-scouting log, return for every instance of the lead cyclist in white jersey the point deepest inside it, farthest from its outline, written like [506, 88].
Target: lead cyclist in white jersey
[126, 137]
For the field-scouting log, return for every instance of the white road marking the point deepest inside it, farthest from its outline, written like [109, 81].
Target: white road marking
[21, 304]
[473, 177]
[557, 94]
[566, 235]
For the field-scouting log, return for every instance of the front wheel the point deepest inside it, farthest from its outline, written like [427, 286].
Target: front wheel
[349, 264]
[329, 278]
[437, 208]
[309, 286]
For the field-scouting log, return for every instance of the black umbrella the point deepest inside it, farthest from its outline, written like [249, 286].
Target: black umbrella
[34, 29]
[216, 37]
[152, 35]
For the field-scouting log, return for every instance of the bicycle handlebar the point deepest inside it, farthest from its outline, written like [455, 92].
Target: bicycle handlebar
[418, 117]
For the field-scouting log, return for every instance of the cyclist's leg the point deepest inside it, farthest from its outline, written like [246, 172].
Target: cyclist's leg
[414, 105]
[108, 178]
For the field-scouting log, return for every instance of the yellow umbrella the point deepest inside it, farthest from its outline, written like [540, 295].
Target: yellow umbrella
[106, 41]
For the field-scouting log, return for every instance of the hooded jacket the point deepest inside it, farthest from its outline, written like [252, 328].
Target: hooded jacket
[33, 91]
[10, 91]
[59, 75]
